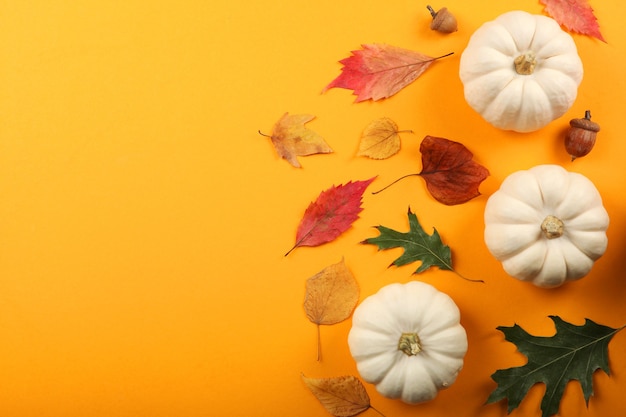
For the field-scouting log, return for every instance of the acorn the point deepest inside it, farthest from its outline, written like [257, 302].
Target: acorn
[443, 21]
[581, 136]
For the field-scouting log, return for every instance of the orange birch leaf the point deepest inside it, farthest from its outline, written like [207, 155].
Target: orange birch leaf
[291, 138]
[331, 296]
[342, 396]
[380, 139]
[575, 15]
[379, 71]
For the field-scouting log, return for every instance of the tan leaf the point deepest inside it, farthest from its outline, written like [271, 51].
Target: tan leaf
[342, 396]
[292, 139]
[380, 139]
[331, 296]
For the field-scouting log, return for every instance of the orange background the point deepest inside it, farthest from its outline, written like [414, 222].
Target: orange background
[143, 220]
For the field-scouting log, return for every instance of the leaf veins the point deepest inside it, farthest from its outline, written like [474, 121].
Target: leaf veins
[418, 246]
[379, 71]
[292, 139]
[342, 396]
[451, 175]
[331, 296]
[331, 214]
[380, 139]
[576, 15]
[572, 353]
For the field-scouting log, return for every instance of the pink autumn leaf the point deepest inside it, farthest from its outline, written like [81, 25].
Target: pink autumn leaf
[380, 71]
[575, 15]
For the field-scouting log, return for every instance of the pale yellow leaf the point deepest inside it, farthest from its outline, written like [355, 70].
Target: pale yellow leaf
[380, 139]
[342, 396]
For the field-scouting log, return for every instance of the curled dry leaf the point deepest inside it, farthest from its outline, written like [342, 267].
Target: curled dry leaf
[292, 139]
[575, 15]
[342, 396]
[379, 71]
[380, 139]
[331, 296]
[331, 214]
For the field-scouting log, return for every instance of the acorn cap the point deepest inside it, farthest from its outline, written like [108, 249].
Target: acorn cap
[585, 124]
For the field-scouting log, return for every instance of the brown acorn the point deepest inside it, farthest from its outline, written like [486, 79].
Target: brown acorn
[581, 136]
[443, 21]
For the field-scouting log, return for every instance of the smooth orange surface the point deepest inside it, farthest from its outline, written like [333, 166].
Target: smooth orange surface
[143, 219]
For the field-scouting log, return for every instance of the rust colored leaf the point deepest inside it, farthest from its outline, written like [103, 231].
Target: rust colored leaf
[331, 296]
[379, 71]
[380, 139]
[575, 15]
[342, 396]
[451, 175]
[331, 214]
[292, 139]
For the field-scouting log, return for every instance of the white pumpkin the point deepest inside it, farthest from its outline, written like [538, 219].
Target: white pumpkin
[407, 340]
[520, 71]
[546, 225]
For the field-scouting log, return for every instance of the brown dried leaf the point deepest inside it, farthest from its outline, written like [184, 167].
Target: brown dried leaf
[292, 139]
[380, 139]
[331, 296]
[451, 174]
[342, 396]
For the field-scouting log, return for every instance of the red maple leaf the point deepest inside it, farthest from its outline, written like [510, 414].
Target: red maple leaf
[575, 15]
[451, 175]
[331, 214]
[380, 71]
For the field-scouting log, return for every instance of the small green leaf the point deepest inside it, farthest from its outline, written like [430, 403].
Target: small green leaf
[573, 353]
[417, 245]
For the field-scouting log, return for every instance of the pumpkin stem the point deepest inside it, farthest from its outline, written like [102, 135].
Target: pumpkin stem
[409, 343]
[525, 63]
[552, 227]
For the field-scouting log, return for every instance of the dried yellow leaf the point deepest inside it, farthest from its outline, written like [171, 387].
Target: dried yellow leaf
[331, 296]
[291, 138]
[342, 396]
[380, 139]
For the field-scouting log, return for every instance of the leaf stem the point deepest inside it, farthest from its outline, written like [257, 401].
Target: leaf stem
[443, 56]
[466, 278]
[289, 251]
[319, 344]
[378, 411]
[399, 179]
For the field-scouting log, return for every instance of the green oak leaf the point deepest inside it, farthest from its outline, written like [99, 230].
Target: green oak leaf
[572, 353]
[418, 246]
